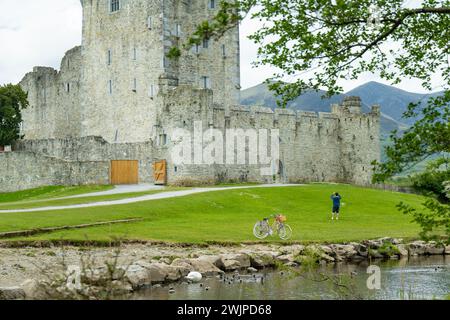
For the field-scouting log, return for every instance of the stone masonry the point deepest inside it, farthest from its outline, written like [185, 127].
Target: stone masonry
[119, 96]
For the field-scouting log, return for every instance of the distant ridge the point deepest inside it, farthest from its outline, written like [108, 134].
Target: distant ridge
[393, 101]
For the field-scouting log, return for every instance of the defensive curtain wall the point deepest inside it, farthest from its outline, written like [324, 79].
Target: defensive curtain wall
[327, 147]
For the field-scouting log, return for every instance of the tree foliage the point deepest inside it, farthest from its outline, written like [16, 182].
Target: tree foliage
[12, 100]
[314, 44]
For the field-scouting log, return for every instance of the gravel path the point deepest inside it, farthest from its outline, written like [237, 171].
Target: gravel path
[119, 190]
[158, 196]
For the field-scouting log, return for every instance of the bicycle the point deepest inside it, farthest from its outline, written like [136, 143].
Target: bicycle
[263, 229]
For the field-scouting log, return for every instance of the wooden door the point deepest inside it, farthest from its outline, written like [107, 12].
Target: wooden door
[160, 172]
[124, 172]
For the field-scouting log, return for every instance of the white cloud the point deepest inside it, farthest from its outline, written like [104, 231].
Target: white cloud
[36, 33]
[39, 32]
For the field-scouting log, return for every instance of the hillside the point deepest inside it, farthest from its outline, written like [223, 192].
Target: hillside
[393, 102]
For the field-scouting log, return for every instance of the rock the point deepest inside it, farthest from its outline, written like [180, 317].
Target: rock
[327, 258]
[231, 265]
[373, 244]
[12, 293]
[327, 250]
[143, 274]
[375, 254]
[216, 260]
[417, 248]
[288, 258]
[201, 265]
[362, 250]
[295, 250]
[432, 248]
[345, 251]
[33, 290]
[235, 261]
[403, 251]
[252, 270]
[139, 276]
[447, 249]
[263, 259]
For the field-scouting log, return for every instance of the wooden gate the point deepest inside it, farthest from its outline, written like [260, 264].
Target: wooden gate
[160, 172]
[124, 172]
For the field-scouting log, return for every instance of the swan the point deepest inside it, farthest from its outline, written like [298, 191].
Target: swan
[194, 276]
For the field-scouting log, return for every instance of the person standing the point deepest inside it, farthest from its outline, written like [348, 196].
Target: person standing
[336, 198]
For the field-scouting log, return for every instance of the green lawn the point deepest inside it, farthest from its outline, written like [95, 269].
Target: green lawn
[49, 193]
[229, 216]
[29, 204]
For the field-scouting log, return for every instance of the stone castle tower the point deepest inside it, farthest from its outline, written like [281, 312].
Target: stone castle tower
[110, 85]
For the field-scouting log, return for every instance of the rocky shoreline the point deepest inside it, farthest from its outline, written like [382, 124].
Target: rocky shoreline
[141, 266]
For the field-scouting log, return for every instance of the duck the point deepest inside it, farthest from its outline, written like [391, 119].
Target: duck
[194, 276]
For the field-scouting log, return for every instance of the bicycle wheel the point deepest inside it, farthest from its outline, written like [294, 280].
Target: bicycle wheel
[285, 232]
[261, 230]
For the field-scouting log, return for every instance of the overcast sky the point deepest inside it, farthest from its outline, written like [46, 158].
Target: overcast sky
[39, 32]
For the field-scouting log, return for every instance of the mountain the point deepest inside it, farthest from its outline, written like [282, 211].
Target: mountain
[393, 102]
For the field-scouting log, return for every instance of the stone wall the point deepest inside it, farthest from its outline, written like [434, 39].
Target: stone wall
[93, 149]
[54, 98]
[327, 147]
[26, 170]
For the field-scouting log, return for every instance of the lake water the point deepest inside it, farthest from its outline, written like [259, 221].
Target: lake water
[414, 278]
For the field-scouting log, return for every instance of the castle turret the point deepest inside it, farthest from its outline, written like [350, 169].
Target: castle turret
[352, 104]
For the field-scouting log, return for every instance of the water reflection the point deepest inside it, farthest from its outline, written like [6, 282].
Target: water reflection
[414, 278]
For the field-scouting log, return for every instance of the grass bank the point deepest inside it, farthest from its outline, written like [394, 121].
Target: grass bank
[228, 216]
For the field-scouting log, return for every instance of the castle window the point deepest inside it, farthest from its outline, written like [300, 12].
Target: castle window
[206, 83]
[134, 85]
[109, 57]
[134, 54]
[149, 23]
[205, 43]
[165, 62]
[67, 87]
[163, 139]
[197, 49]
[153, 91]
[224, 51]
[212, 4]
[178, 30]
[114, 5]
[110, 87]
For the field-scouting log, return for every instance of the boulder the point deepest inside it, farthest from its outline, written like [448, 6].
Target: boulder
[262, 260]
[142, 273]
[433, 248]
[12, 293]
[216, 260]
[417, 248]
[235, 261]
[252, 270]
[202, 265]
[403, 251]
[295, 250]
[375, 254]
[344, 251]
[362, 250]
[327, 250]
[288, 258]
[33, 290]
